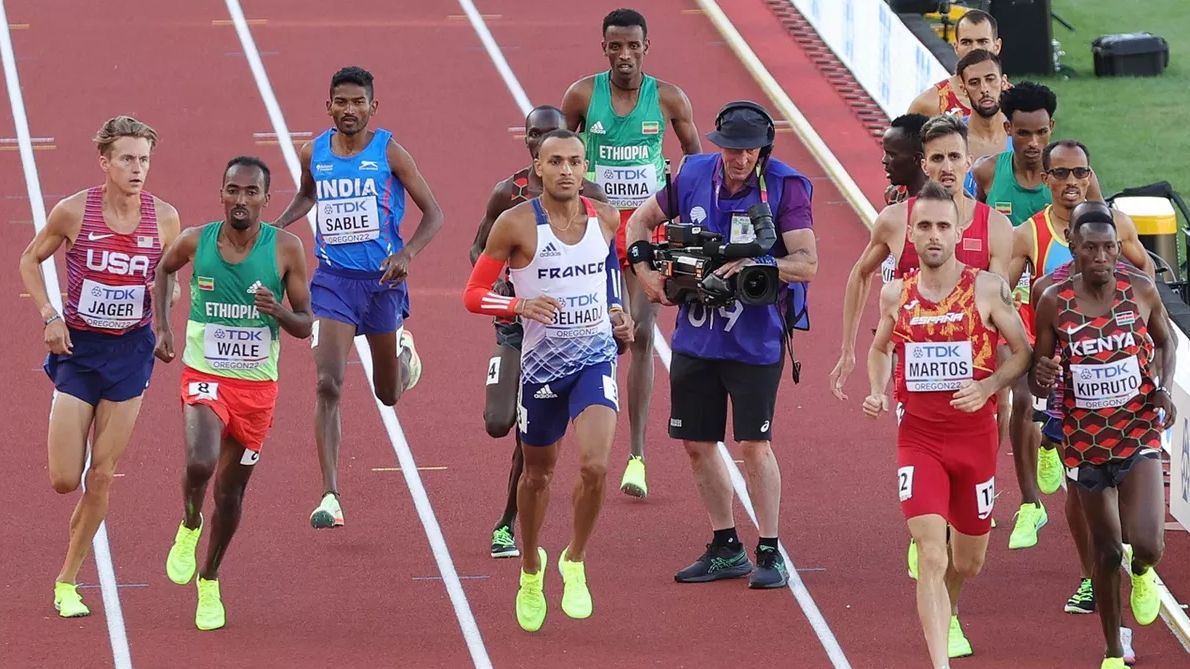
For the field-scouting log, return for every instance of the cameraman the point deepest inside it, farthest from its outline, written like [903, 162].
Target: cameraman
[735, 351]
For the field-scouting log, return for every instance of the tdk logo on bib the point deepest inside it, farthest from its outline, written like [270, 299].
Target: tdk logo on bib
[933, 366]
[347, 211]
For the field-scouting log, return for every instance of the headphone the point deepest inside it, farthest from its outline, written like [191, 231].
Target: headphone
[767, 149]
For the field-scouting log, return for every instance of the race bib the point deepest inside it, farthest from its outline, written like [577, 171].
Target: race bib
[203, 390]
[581, 316]
[627, 186]
[348, 220]
[905, 482]
[985, 497]
[1021, 292]
[741, 229]
[111, 307]
[230, 347]
[888, 268]
[935, 366]
[1105, 385]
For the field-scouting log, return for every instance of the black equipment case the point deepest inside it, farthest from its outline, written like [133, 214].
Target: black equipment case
[1130, 54]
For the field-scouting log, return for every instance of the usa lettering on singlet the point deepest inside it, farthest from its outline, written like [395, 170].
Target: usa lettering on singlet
[107, 273]
[581, 334]
[359, 204]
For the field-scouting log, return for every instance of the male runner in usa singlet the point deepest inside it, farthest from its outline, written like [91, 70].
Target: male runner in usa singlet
[358, 179]
[101, 348]
[623, 113]
[561, 251]
[944, 322]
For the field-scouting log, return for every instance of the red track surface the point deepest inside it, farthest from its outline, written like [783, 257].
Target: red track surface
[370, 594]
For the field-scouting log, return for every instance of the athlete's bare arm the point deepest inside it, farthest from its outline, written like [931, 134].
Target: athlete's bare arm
[405, 169]
[676, 107]
[1045, 363]
[575, 102]
[62, 226]
[297, 320]
[999, 243]
[1022, 253]
[889, 223]
[993, 299]
[169, 226]
[507, 244]
[985, 172]
[304, 199]
[1158, 325]
[1130, 246]
[623, 328]
[925, 103]
[175, 257]
[880, 355]
[498, 202]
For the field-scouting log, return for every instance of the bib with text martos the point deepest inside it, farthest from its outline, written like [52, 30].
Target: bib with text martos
[108, 274]
[575, 275]
[359, 204]
[624, 152]
[1106, 377]
[941, 346]
[226, 334]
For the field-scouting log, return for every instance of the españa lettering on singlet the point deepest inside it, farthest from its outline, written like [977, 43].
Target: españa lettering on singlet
[108, 274]
[575, 275]
[226, 335]
[359, 204]
[624, 152]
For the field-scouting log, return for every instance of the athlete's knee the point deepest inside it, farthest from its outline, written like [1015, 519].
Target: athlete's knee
[699, 451]
[593, 474]
[1108, 555]
[200, 470]
[63, 482]
[329, 386]
[968, 566]
[932, 558]
[756, 451]
[1147, 551]
[537, 477]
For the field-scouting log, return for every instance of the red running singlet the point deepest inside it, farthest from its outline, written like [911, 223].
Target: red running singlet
[1107, 380]
[940, 346]
[972, 249]
[108, 274]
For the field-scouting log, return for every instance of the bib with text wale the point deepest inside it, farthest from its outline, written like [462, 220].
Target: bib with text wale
[348, 220]
[230, 347]
[627, 186]
[935, 366]
[1106, 385]
[111, 307]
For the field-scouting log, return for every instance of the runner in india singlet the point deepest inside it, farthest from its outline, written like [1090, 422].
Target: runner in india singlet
[359, 205]
[581, 334]
[624, 152]
[226, 335]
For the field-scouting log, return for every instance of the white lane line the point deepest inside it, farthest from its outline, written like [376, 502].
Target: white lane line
[100, 547]
[425, 511]
[817, 622]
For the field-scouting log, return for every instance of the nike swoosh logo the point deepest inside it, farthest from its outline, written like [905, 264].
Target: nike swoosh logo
[1071, 331]
[94, 237]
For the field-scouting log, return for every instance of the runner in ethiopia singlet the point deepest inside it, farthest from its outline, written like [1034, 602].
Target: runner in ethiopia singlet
[624, 152]
[569, 365]
[946, 458]
[108, 307]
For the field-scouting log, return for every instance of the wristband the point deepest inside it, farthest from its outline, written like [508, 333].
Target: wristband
[51, 319]
[1162, 389]
[641, 251]
[615, 308]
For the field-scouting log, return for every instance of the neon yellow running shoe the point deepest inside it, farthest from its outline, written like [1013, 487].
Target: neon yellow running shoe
[210, 614]
[1049, 470]
[1113, 663]
[328, 514]
[633, 482]
[912, 559]
[68, 602]
[530, 599]
[576, 598]
[1146, 601]
[957, 644]
[1029, 519]
[180, 563]
[406, 341]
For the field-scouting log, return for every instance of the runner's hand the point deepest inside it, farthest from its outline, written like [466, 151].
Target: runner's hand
[971, 397]
[266, 303]
[1163, 401]
[623, 329]
[541, 309]
[875, 404]
[1046, 371]
[396, 266]
[839, 374]
[57, 338]
[164, 350]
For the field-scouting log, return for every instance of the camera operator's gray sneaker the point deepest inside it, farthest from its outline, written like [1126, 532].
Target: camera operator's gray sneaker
[717, 563]
[771, 571]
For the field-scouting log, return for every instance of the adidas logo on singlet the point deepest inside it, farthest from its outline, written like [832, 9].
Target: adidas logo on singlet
[550, 251]
[252, 289]
[544, 393]
[597, 129]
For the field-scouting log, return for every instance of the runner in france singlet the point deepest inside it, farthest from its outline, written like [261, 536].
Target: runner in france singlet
[624, 152]
[108, 274]
[1106, 377]
[939, 347]
[576, 275]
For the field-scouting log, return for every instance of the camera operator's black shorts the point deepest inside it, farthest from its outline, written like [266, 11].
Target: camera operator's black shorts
[699, 389]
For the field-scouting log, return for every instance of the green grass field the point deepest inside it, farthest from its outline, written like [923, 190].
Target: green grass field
[1138, 129]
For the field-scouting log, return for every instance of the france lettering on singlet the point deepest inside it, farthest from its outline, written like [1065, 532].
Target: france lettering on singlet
[359, 204]
[581, 334]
